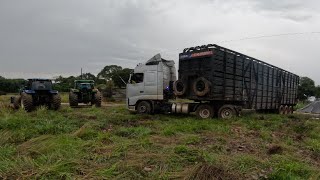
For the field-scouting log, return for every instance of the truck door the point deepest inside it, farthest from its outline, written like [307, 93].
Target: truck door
[151, 84]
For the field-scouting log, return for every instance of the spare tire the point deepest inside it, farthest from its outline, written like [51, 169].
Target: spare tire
[179, 88]
[201, 86]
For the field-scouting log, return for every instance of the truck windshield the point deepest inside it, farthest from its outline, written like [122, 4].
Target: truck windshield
[137, 78]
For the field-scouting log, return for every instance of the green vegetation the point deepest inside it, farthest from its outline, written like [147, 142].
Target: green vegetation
[111, 143]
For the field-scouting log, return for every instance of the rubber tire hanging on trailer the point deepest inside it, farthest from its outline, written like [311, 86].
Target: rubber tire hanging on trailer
[204, 111]
[144, 107]
[179, 88]
[227, 112]
[201, 86]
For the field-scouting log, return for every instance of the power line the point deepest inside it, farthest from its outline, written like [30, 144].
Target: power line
[272, 35]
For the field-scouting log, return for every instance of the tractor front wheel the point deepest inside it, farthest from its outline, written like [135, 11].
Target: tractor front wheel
[97, 99]
[27, 102]
[73, 99]
[56, 102]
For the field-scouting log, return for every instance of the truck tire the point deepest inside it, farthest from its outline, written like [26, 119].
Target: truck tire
[17, 102]
[227, 112]
[179, 88]
[27, 102]
[97, 99]
[144, 107]
[73, 99]
[204, 111]
[201, 86]
[281, 109]
[56, 102]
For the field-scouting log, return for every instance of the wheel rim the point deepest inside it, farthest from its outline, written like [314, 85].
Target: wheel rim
[142, 109]
[200, 86]
[226, 113]
[205, 113]
[180, 86]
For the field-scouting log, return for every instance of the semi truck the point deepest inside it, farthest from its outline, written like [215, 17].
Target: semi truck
[212, 81]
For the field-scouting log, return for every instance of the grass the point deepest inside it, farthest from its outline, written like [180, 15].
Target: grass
[111, 143]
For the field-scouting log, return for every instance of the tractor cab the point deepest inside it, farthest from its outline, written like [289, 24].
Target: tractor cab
[84, 84]
[39, 85]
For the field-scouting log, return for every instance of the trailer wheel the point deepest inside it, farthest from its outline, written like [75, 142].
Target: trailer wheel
[201, 86]
[179, 88]
[204, 111]
[290, 110]
[281, 110]
[144, 107]
[97, 99]
[286, 110]
[227, 112]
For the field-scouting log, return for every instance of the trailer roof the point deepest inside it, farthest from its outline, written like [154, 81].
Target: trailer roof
[214, 46]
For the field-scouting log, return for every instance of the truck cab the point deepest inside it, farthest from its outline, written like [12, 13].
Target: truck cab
[150, 85]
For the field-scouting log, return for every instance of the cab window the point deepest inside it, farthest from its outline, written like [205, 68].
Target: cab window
[137, 78]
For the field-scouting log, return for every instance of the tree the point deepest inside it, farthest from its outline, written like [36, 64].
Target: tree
[87, 76]
[108, 72]
[2, 77]
[306, 88]
[116, 74]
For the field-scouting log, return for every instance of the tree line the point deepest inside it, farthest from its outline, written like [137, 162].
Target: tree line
[109, 77]
[115, 76]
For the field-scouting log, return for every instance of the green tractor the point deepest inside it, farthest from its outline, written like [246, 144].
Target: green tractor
[84, 92]
[37, 92]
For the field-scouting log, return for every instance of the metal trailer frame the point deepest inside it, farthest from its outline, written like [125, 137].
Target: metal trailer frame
[237, 79]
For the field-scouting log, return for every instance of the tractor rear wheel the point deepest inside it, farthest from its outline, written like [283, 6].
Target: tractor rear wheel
[97, 99]
[27, 102]
[17, 102]
[56, 102]
[73, 99]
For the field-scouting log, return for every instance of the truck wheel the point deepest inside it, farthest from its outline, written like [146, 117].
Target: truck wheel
[17, 102]
[73, 99]
[227, 112]
[204, 111]
[201, 86]
[97, 99]
[290, 110]
[27, 102]
[286, 110]
[56, 102]
[179, 88]
[144, 107]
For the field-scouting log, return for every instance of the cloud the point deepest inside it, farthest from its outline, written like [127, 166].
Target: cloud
[47, 38]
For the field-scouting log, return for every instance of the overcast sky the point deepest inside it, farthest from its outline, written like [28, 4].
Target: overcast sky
[46, 38]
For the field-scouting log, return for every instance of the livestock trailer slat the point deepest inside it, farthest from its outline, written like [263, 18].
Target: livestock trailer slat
[237, 78]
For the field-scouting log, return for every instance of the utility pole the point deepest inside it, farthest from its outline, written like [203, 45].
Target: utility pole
[81, 74]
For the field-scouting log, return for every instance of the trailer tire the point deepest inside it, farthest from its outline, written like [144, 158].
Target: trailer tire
[227, 112]
[201, 86]
[286, 110]
[144, 107]
[179, 88]
[281, 110]
[205, 111]
[290, 110]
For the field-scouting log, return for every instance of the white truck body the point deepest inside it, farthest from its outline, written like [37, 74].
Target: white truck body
[150, 81]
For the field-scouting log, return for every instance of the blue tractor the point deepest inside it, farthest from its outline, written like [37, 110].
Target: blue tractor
[37, 92]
